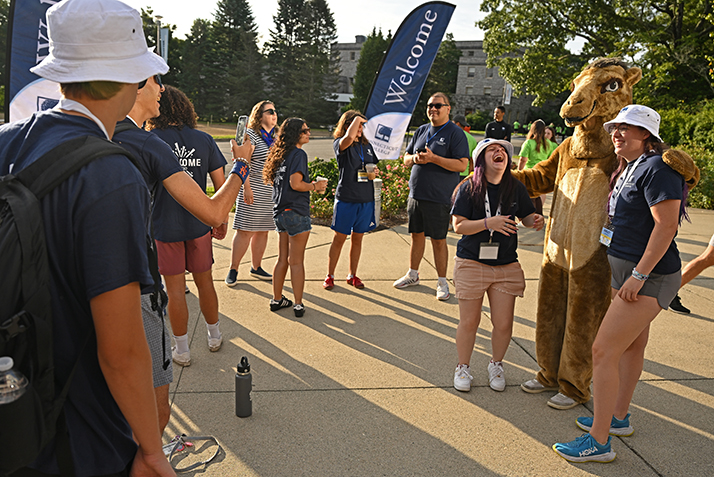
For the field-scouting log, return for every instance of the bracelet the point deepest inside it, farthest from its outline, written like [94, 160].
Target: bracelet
[314, 187]
[639, 276]
[485, 224]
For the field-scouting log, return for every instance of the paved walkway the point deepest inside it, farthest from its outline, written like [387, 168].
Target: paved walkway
[362, 384]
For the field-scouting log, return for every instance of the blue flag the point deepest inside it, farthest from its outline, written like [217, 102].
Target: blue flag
[402, 75]
[25, 92]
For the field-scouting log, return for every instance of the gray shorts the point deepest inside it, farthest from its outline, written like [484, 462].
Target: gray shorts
[662, 287]
[153, 327]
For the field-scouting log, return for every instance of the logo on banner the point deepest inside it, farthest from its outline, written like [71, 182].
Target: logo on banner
[43, 103]
[383, 133]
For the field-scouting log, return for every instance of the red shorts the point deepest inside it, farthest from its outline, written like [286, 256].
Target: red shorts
[195, 255]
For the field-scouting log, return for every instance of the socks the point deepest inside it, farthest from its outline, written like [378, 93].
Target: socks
[442, 280]
[413, 273]
[213, 330]
[181, 343]
[350, 276]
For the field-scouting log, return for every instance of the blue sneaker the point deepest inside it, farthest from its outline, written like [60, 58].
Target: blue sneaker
[617, 427]
[585, 449]
[232, 278]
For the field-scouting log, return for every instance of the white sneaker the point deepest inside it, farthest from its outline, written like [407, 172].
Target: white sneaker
[533, 386]
[214, 344]
[463, 378]
[406, 281]
[182, 359]
[496, 376]
[442, 290]
[561, 401]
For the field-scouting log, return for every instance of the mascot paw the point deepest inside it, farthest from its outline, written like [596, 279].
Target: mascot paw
[683, 163]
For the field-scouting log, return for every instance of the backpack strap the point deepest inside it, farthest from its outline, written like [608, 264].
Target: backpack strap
[124, 126]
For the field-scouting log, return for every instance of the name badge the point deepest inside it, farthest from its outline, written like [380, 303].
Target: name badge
[362, 176]
[488, 251]
[606, 236]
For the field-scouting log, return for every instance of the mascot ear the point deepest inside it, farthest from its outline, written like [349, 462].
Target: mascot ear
[633, 75]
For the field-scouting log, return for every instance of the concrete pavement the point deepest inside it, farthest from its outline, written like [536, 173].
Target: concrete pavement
[362, 384]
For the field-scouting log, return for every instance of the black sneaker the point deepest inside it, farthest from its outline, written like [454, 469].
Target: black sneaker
[260, 274]
[277, 305]
[299, 310]
[232, 277]
[677, 306]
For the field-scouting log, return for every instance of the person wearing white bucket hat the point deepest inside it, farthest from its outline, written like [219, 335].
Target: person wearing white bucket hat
[484, 211]
[645, 208]
[96, 235]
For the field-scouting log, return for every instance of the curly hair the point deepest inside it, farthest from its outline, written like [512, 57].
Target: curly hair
[256, 115]
[287, 139]
[537, 133]
[175, 110]
[344, 123]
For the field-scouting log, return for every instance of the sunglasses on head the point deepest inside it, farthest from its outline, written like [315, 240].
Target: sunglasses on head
[436, 105]
[157, 78]
[270, 111]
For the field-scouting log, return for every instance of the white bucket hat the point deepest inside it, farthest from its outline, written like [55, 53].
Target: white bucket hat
[487, 142]
[97, 40]
[637, 115]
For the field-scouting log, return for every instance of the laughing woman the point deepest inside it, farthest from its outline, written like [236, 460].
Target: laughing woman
[484, 209]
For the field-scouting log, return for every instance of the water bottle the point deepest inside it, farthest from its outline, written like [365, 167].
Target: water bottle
[13, 383]
[244, 384]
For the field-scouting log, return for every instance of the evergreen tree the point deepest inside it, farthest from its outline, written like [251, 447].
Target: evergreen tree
[370, 58]
[200, 78]
[236, 34]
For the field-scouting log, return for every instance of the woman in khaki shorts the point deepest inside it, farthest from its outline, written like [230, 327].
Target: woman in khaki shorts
[485, 206]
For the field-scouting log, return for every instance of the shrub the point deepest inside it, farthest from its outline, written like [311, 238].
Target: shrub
[479, 119]
[702, 195]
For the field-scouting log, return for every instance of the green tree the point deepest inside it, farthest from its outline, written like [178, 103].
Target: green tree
[199, 77]
[442, 77]
[370, 58]
[175, 45]
[300, 70]
[668, 39]
[235, 34]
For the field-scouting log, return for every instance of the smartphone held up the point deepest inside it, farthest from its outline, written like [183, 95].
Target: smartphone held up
[240, 129]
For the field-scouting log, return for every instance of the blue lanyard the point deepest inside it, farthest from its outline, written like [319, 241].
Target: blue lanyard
[360, 153]
[429, 138]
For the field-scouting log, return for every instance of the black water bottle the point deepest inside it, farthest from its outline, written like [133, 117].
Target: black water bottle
[244, 384]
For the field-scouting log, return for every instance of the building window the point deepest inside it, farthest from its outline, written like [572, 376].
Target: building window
[471, 72]
[352, 56]
[489, 73]
[471, 53]
[469, 90]
[487, 91]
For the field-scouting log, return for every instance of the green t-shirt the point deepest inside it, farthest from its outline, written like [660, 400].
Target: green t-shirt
[472, 145]
[528, 149]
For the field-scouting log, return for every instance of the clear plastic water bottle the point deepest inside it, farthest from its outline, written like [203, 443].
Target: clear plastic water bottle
[13, 383]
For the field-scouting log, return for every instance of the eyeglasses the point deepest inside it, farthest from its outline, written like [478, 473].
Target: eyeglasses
[620, 128]
[436, 105]
[157, 78]
[270, 111]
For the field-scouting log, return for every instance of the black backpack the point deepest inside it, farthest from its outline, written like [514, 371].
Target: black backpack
[31, 421]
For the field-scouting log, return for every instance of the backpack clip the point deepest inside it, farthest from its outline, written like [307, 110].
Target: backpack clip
[14, 325]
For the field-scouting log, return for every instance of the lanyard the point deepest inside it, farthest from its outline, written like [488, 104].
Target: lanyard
[360, 153]
[487, 204]
[72, 105]
[621, 181]
[429, 138]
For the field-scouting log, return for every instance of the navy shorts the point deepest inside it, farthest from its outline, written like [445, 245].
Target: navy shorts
[292, 223]
[430, 218]
[357, 217]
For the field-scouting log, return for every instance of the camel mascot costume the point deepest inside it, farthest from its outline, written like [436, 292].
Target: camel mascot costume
[574, 290]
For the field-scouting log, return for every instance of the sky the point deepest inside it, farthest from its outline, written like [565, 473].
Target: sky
[351, 18]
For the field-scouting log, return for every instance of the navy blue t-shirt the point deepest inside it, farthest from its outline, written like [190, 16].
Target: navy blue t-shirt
[284, 197]
[155, 158]
[96, 230]
[429, 181]
[464, 205]
[498, 130]
[199, 155]
[652, 182]
[349, 162]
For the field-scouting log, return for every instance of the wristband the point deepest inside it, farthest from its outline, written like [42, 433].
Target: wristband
[639, 276]
[240, 168]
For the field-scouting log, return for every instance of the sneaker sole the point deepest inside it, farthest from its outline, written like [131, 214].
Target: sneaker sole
[328, 287]
[681, 312]
[621, 431]
[444, 298]
[231, 284]
[604, 458]
[260, 277]
[183, 364]
[563, 407]
[462, 389]
[497, 389]
[536, 391]
[405, 285]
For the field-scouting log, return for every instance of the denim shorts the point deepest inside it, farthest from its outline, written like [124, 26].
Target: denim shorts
[292, 223]
[662, 287]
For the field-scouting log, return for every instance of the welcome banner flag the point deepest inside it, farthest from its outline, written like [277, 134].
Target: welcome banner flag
[402, 75]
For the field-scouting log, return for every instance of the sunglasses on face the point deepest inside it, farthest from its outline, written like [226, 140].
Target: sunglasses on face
[270, 111]
[436, 105]
[305, 131]
[157, 78]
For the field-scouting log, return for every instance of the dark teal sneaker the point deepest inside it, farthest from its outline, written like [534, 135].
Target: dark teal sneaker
[617, 427]
[232, 277]
[585, 449]
[260, 274]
